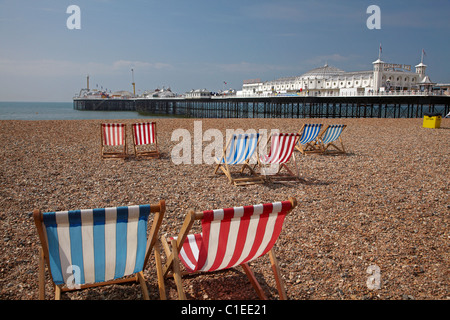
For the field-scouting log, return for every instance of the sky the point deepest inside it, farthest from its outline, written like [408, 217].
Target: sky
[211, 44]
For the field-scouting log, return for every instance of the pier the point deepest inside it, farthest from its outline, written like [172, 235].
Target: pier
[395, 106]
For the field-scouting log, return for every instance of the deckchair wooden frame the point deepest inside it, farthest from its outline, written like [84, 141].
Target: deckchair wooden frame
[278, 176]
[172, 267]
[121, 154]
[138, 153]
[324, 146]
[310, 147]
[225, 167]
[152, 243]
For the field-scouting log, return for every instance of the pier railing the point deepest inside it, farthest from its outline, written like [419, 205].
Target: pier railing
[340, 94]
[386, 106]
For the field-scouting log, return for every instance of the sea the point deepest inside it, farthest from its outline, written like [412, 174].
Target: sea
[60, 111]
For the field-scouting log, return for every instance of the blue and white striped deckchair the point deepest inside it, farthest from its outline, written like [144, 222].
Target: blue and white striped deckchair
[94, 247]
[239, 151]
[307, 141]
[329, 136]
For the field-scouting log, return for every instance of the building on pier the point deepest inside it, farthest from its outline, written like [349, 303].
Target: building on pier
[331, 81]
[198, 94]
[159, 93]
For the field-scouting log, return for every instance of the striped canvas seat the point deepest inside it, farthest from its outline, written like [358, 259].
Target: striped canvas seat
[331, 134]
[98, 246]
[230, 237]
[309, 134]
[144, 136]
[239, 151]
[113, 141]
[282, 147]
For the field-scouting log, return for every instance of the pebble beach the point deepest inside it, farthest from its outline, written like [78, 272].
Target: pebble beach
[384, 204]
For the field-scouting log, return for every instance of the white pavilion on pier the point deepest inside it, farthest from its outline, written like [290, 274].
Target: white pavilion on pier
[331, 81]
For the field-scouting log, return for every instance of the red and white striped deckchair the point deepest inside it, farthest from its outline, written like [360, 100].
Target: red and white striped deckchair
[144, 136]
[281, 152]
[113, 141]
[230, 237]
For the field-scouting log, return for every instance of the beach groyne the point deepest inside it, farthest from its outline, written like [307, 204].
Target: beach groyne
[277, 107]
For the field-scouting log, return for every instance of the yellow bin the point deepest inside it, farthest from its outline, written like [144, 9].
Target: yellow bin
[432, 120]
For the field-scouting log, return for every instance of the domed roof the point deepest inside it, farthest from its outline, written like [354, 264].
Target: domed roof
[323, 72]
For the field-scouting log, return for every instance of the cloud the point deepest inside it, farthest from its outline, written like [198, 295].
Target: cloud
[121, 64]
[305, 12]
[274, 11]
[49, 67]
[322, 59]
[426, 17]
[246, 67]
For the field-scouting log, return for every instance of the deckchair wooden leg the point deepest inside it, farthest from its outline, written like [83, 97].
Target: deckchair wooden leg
[168, 265]
[296, 166]
[277, 274]
[177, 272]
[337, 149]
[143, 284]
[227, 173]
[57, 293]
[253, 281]
[165, 245]
[159, 272]
[41, 275]
[245, 166]
[287, 169]
[342, 145]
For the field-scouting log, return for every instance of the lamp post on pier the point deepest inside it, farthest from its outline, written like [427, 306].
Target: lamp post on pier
[134, 85]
